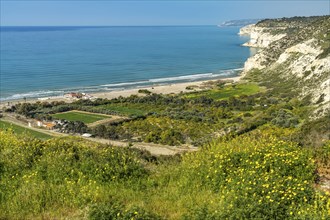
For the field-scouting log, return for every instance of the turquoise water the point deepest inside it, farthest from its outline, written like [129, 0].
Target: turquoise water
[50, 61]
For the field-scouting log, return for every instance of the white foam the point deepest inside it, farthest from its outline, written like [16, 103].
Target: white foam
[177, 78]
[33, 94]
[123, 85]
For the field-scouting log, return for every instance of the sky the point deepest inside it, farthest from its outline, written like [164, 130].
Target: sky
[138, 12]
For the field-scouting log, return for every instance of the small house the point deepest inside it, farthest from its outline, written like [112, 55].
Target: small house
[49, 125]
[73, 95]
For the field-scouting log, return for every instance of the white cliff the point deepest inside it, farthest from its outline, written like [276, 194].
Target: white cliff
[254, 62]
[301, 60]
[246, 30]
[259, 36]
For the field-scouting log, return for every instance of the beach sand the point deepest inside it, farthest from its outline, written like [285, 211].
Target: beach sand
[159, 89]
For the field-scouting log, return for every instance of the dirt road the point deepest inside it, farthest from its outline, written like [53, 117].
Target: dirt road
[155, 149]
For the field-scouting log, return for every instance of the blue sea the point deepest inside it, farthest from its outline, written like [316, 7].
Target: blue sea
[51, 61]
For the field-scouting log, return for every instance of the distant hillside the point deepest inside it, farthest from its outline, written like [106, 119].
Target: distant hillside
[241, 22]
[294, 57]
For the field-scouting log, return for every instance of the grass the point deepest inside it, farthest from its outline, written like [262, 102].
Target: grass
[228, 91]
[22, 130]
[126, 110]
[80, 116]
[254, 176]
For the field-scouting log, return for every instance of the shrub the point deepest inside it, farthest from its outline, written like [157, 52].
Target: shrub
[255, 176]
[152, 137]
[144, 91]
[38, 175]
[247, 114]
[117, 211]
[190, 87]
[323, 154]
[314, 133]
[284, 118]
[171, 137]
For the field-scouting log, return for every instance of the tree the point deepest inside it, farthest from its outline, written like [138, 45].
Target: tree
[100, 131]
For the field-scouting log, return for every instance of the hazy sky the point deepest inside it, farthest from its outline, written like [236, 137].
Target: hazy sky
[166, 12]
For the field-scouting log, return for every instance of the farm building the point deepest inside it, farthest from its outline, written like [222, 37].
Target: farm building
[38, 123]
[73, 95]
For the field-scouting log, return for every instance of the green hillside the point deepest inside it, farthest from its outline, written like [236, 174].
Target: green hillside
[259, 175]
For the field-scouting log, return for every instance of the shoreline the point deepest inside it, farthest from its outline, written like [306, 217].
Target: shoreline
[174, 88]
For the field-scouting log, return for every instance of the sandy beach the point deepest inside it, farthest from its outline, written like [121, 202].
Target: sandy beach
[174, 88]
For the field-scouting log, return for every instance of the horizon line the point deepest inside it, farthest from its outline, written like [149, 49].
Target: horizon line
[165, 25]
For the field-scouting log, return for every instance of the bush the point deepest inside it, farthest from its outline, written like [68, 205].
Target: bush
[247, 114]
[144, 91]
[323, 154]
[39, 175]
[255, 176]
[314, 133]
[171, 137]
[190, 87]
[117, 211]
[152, 137]
[284, 118]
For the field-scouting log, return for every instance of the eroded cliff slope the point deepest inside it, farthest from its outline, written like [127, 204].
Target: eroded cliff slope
[294, 56]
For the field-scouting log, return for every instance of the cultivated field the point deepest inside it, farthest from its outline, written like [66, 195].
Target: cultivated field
[81, 116]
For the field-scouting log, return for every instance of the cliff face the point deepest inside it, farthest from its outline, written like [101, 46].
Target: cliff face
[259, 36]
[295, 50]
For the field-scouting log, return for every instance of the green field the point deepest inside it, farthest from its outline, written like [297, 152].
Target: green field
[130, 109]
[228, 91]
[21, 130]
[80, 116]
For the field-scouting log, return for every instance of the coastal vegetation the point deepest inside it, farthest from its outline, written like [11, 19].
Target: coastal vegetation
[255, 175]
[172, 119]
[229, 91]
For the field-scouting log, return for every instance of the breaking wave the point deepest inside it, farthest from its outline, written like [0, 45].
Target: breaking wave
[125, 85]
